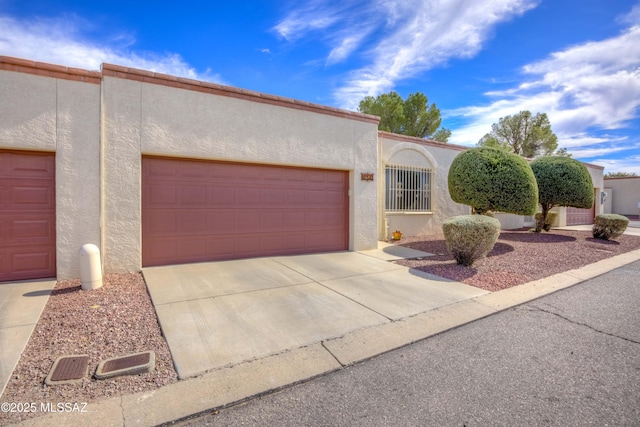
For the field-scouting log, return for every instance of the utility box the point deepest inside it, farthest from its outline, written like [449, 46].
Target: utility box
[90, 267]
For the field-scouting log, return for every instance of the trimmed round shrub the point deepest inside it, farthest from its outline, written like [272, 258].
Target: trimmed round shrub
[609, 226]
[562, 181]
[470, 237]
[488, 179]
[545, 223]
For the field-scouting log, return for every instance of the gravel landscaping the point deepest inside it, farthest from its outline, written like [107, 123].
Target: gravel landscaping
[518, 257]
[119, 318]
[114, 320]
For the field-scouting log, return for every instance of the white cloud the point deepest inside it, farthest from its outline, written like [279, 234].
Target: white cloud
[312, 16]
[345, 48]
[61, 41]
[343, 26]
[629, 164]
[587, 90]
[633, 17]
[397, 38]
[421, 35]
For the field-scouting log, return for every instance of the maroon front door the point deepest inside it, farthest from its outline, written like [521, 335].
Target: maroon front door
[195, 210]
[27, 215]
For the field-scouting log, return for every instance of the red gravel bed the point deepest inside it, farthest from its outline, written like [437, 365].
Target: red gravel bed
[114, 320]
[518, 257]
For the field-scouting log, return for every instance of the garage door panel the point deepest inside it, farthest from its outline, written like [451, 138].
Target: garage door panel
[194, 196]
[294, 199]
[272, 244]
[161, 195]
[220, 223]
[334, 198]
[161, 250]
[28, 265]
[272, 197]
[33, 260]
[29, 194]
[220, 197]
[577, 216]
[30, 229]
[220, 248]
[228, 211]
[160, 223]
[246, 222]
[246, 197]
[191, 222]
[192, 248]
[272, 221]
[315, 197]
[27, 215]
[192, 171]
[294, 220]
[334, 219]
[160, 170]
[27, 165]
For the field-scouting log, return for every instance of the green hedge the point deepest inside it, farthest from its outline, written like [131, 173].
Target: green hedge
[470, 237]
[488, 179]
[609, 226]
[563, 181]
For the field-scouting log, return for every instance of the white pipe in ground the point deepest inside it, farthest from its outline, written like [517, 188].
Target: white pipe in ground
[90, 267]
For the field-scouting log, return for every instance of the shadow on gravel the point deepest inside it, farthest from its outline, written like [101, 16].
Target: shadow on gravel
[530, 237]
[602, 241]
[500, 248]
[68, 290]
[449, 271]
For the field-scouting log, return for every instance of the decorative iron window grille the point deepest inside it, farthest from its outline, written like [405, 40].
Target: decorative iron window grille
[408, 189]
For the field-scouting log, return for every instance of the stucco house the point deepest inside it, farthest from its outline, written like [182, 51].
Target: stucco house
[156, 169]
[623, 195]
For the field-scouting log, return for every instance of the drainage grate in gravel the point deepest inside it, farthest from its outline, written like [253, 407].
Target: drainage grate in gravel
[68, 369]
[133, 364]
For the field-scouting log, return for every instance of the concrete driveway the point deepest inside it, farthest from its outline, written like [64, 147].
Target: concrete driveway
[21, 304]
[224, 313]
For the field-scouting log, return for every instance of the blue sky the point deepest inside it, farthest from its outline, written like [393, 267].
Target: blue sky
[577, 61]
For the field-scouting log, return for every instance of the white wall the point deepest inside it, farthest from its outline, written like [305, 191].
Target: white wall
[410, 151]
[59, 115]
[154, 118]
[626, 195]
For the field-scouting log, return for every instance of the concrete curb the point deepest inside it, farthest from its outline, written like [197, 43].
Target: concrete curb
[235, 384]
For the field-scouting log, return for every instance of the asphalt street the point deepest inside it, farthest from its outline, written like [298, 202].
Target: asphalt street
[568, 359]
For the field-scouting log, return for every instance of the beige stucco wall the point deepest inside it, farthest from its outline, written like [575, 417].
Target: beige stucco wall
[146, 118]
[625, 195]
[56, 115]
[408, 151]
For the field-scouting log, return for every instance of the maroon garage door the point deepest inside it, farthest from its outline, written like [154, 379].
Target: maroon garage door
[203, 211]
[27, 215]
[576, 216]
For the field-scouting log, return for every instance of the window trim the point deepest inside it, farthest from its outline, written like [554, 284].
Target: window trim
[413, 174]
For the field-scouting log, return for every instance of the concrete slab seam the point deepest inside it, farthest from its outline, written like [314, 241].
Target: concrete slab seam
[418, 335]
[353, 300]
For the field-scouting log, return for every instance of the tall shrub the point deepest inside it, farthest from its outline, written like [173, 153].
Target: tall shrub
[488, 179]
[562, 181]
